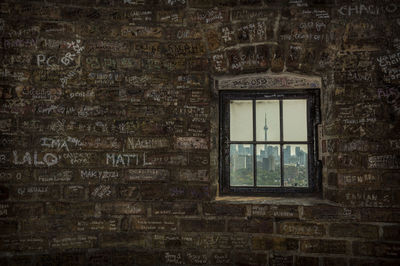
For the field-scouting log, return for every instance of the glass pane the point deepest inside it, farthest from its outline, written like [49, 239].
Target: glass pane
[241, 120]
[267, 124]
[268, 166]
[295, 171]
[295, 120]
[241, 165]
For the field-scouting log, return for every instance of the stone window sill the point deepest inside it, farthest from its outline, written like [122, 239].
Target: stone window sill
[309, 201]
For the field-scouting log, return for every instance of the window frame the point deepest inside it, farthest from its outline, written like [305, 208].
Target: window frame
[313, 119]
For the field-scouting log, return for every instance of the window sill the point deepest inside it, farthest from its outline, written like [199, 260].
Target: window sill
[309, 201]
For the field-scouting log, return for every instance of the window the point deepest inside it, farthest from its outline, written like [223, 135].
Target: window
[268, 142]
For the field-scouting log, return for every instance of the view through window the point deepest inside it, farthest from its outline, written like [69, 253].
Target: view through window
[269, 140]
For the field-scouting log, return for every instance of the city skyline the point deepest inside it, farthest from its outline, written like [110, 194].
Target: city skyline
[268, 163]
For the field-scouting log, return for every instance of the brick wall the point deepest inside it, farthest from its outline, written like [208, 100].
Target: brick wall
[108, 144]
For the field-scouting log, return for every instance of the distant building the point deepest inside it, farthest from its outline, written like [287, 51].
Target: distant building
[286, 154]
[269, 163]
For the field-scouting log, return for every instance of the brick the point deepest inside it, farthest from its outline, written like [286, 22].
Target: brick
[219, 241]
[303, 229]
[102, 192]
[323, 246]
[154, 225]
[103, 225]
[6, 210]
[135, 32]
[118, 208]
[48, 225]
[209, 16]
[333, 179]
[174, 258]
[123, 257]
[376, 249]
[8, 227]
[191, 143]
[35, 192]
[334, 261]
[168, 240]
[146, 174]
[73, 242]
[274, 243]
[365, 198]
[253, 225]
[22, 243]
[198, 193]
[61, 208]
[163, 159]
[391, 232]
[215, 209]
[251, 259]
[331, 213]
[122, 240]
[193, 175]
[380, 214]
[278, 259]
[147, 258]
[312, 261]
[74, 192]
[220, 258]
[53, 175]
[354, 230]
[175, 208]
[197, 225]
[128, 192]
[20, 260]
[196, 258]
[100, 257]
[278, 211]
[391, 179]
[147, 143]
[374, 262]
[4, 192]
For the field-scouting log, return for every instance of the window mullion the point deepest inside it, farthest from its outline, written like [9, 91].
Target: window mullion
[254, 146]
[281, 139]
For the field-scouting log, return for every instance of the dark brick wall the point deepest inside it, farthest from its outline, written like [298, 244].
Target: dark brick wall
[108, 143]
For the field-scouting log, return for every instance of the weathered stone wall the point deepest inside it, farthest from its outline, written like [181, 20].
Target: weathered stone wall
[108, 143]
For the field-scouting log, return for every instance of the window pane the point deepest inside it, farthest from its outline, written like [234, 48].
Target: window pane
[295, 171]
[241, 120]
[268, 124]
[268, 165]
[295, 120]
[241, 165]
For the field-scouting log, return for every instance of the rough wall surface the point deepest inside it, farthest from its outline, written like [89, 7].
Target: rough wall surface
[107, 142]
